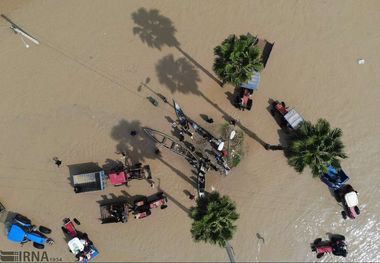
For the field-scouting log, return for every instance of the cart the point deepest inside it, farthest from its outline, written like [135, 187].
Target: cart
[114, 212]
[334, 178]
[89, 182]
[287, 119]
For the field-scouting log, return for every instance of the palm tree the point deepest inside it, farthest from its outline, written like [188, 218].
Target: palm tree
[213, 219]
[237, 59]
[315, 145]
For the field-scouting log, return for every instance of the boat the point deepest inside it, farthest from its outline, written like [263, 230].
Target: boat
[180, 115]
[170, 144]
[201, 180]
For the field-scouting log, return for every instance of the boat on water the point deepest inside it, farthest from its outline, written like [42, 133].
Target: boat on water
[180, 115]
[170, 144]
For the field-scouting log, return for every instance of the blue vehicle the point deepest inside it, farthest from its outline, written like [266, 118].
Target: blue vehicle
[334, 178]
[23, 231]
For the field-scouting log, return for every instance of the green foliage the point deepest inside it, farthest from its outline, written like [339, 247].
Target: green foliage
[237, 59]
[235, 146]
[316, 146]
[213, 219]
[236, 160]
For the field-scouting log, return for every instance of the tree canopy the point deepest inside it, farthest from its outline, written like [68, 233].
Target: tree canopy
[316, 146]
[213, 219]
[237, 58]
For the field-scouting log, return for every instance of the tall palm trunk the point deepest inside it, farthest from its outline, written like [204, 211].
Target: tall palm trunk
[198, 65]
[230, 252]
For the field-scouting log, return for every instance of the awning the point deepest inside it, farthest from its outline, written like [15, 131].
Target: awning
[252, 84]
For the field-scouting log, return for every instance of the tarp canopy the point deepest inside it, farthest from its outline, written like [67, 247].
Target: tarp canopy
[252, 84]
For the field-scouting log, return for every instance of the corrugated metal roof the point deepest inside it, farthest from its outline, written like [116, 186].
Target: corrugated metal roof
[252, 84]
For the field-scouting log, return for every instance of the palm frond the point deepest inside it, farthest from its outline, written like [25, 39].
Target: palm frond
[315, 146]
[237, 58]
[213, 219]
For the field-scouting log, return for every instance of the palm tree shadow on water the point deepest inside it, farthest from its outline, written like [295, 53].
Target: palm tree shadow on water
[158, 31]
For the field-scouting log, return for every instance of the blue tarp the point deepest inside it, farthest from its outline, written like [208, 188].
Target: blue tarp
[252, 84]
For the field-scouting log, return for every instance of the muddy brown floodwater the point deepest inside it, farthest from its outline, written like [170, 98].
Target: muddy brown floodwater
[78, 94]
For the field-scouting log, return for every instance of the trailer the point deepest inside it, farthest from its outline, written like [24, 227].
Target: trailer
[89, 182]
[287, 119]
[114, 212]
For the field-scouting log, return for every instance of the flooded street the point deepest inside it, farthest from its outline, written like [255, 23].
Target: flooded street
[79, 93]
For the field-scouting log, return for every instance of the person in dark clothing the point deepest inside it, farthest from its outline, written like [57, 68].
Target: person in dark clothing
[210, 120]
[57, 161]
[133, 133]
[233, 122]
[193, 162]
[157, 152]
[213, 166]
[181, 137]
